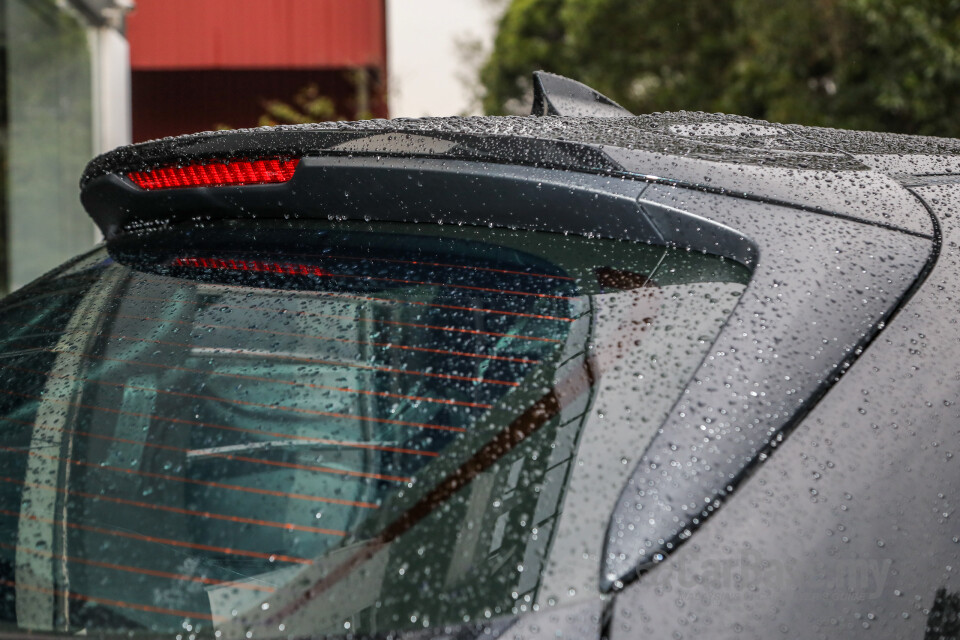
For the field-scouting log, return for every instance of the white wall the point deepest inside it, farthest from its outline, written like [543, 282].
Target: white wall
[110, 53]
[428, 74]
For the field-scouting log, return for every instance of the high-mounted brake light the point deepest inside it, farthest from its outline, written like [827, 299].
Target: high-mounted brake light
[217, 174]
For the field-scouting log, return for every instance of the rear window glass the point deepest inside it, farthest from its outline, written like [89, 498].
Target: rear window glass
[332, 428]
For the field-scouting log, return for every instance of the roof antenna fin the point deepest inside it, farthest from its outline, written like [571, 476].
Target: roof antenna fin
[555, 95]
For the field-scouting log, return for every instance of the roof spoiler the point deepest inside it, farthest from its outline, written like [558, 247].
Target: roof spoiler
[555, 95]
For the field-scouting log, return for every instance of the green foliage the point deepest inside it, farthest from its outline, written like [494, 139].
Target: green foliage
[308, 106]
[885, 65]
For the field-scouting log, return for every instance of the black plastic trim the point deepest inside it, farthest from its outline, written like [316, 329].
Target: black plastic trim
[508, 151]
[415, 190]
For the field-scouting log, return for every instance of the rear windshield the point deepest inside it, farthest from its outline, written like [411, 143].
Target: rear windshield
[265, 430]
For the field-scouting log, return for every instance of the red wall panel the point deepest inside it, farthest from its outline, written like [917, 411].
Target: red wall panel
[257, 34]
[170, 103]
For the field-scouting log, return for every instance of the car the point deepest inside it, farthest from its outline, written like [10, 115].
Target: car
[576, 374]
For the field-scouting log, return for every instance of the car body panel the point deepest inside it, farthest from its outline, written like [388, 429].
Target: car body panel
[847, 531]
[821, 289]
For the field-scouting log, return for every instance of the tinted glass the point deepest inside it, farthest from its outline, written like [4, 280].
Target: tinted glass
[332, 428]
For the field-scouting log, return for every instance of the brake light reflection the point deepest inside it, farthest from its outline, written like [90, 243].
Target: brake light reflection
[286, 268]
[217, 174]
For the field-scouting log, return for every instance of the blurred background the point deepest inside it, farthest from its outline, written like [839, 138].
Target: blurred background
[83, 76]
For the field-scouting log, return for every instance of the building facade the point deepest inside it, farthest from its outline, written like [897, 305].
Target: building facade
[205, 64]
[65, 75]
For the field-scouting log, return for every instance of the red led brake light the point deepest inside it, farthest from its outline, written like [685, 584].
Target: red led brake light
[287, 268]
[217, 174]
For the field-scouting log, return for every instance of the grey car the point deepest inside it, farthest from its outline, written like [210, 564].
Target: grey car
[577, 374]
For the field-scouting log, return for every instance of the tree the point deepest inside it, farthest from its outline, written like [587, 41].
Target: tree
[884, 65]
[309, 104]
